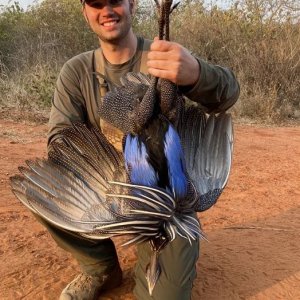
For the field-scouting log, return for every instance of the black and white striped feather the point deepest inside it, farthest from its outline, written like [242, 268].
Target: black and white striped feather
[208, 148]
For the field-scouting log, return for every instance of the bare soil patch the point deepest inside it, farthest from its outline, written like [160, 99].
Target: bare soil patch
[254, 229]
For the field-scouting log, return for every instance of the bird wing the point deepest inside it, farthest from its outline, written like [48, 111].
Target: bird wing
[82, 188]
[208, 147]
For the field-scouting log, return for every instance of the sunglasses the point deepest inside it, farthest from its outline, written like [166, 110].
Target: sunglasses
[100, 4]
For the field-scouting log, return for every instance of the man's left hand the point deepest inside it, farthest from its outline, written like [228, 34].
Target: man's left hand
[173, 62]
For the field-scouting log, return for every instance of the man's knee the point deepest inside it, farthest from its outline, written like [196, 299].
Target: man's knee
[94, 257]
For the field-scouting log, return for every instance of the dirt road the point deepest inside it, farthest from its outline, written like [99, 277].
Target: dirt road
[254, 229]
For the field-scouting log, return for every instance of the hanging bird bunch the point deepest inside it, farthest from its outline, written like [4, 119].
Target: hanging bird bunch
[175, 161]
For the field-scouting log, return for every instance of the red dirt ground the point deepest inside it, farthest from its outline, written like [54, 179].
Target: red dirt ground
[254, 229]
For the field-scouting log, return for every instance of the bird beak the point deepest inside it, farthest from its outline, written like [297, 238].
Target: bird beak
[153, 271]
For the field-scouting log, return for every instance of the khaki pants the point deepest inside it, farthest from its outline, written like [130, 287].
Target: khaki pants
[177, 260]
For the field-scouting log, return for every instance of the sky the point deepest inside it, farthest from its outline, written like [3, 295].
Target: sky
[25, 3]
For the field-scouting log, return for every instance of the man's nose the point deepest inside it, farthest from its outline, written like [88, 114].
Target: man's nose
[107, 8]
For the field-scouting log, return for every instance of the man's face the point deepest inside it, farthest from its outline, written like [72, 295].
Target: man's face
[109, 19]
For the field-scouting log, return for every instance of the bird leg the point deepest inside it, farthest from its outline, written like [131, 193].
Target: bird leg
[170, 102]
[167, 12]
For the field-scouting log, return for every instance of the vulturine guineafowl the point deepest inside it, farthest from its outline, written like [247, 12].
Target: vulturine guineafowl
[175, 161]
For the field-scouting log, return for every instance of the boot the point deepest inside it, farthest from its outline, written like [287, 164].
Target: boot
[88, 287]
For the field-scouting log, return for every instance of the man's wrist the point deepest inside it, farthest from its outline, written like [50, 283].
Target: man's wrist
[195, 74]
[195, 82]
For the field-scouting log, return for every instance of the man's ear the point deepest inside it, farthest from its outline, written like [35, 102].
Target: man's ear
[132, 6]
[84, 14]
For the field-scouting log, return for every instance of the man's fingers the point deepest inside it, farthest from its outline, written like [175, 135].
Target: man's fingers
[165, 74]
[160, 45]
[171, 61]
[157, 55]
[163, 65]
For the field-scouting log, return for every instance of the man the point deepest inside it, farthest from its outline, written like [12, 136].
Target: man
[76, 98]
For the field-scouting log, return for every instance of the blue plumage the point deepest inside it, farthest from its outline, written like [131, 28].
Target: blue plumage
[175, 161]
[137, 164]
[159, 164]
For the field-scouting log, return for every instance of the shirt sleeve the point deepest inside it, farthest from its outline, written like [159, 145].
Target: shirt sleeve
[68, 105]
[216, 89]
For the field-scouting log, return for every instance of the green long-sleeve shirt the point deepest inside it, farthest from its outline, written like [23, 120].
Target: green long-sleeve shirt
[77, 92]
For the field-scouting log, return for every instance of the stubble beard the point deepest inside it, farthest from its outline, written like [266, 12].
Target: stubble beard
[116, 37]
